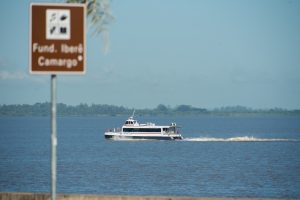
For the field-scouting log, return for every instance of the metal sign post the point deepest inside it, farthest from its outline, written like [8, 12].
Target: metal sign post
[56, 46]
[53, 137]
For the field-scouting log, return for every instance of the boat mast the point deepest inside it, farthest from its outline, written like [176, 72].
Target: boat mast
[133, 113]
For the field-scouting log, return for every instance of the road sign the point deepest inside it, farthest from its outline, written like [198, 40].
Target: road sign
[57, 39]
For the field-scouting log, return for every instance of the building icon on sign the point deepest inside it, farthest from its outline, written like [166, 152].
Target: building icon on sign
[58, 24]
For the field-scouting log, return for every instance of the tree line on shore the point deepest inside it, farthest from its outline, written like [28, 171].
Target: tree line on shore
[43, 109]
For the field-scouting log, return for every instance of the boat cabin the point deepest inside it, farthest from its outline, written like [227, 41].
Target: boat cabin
[131, 122]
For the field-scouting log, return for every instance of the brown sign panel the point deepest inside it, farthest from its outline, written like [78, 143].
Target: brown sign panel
[57, 39]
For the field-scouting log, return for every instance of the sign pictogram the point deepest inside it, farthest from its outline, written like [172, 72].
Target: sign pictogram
[57, 39]
[57, 24]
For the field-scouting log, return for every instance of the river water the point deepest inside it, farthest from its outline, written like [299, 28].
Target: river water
[219, 157]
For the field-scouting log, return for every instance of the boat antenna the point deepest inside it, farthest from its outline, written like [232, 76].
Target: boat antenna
[133, 113]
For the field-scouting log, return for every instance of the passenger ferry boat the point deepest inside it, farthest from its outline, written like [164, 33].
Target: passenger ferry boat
[133, 130]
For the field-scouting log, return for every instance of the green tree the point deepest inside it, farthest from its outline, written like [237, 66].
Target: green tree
[162, 108]
[183, 108]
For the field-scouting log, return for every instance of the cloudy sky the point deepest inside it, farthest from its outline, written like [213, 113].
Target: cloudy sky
[204, 53]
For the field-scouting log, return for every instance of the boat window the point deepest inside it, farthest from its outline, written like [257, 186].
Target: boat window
[141, 130]
[172, 129]
[165, 129]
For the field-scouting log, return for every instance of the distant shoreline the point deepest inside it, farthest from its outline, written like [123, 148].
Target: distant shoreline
[43, 109]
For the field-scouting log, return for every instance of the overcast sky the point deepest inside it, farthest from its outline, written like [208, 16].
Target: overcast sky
[207, 54]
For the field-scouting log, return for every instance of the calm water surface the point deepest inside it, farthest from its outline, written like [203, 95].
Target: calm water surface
[213, 161]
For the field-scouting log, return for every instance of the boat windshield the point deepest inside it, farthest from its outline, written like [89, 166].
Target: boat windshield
[131, 122]
[170, 130]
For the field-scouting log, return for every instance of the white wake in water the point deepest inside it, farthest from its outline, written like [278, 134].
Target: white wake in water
[239, 139]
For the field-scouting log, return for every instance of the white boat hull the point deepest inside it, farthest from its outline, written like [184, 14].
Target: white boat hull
[143, 136]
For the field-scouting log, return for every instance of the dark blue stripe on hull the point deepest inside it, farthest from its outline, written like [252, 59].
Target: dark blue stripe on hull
[155, 138]
[108, 136]
[147, 138]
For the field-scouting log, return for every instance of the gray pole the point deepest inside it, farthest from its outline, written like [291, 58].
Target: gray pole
[53, 137]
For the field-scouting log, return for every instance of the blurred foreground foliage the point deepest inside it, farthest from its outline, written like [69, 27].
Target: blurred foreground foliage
[98, 13]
